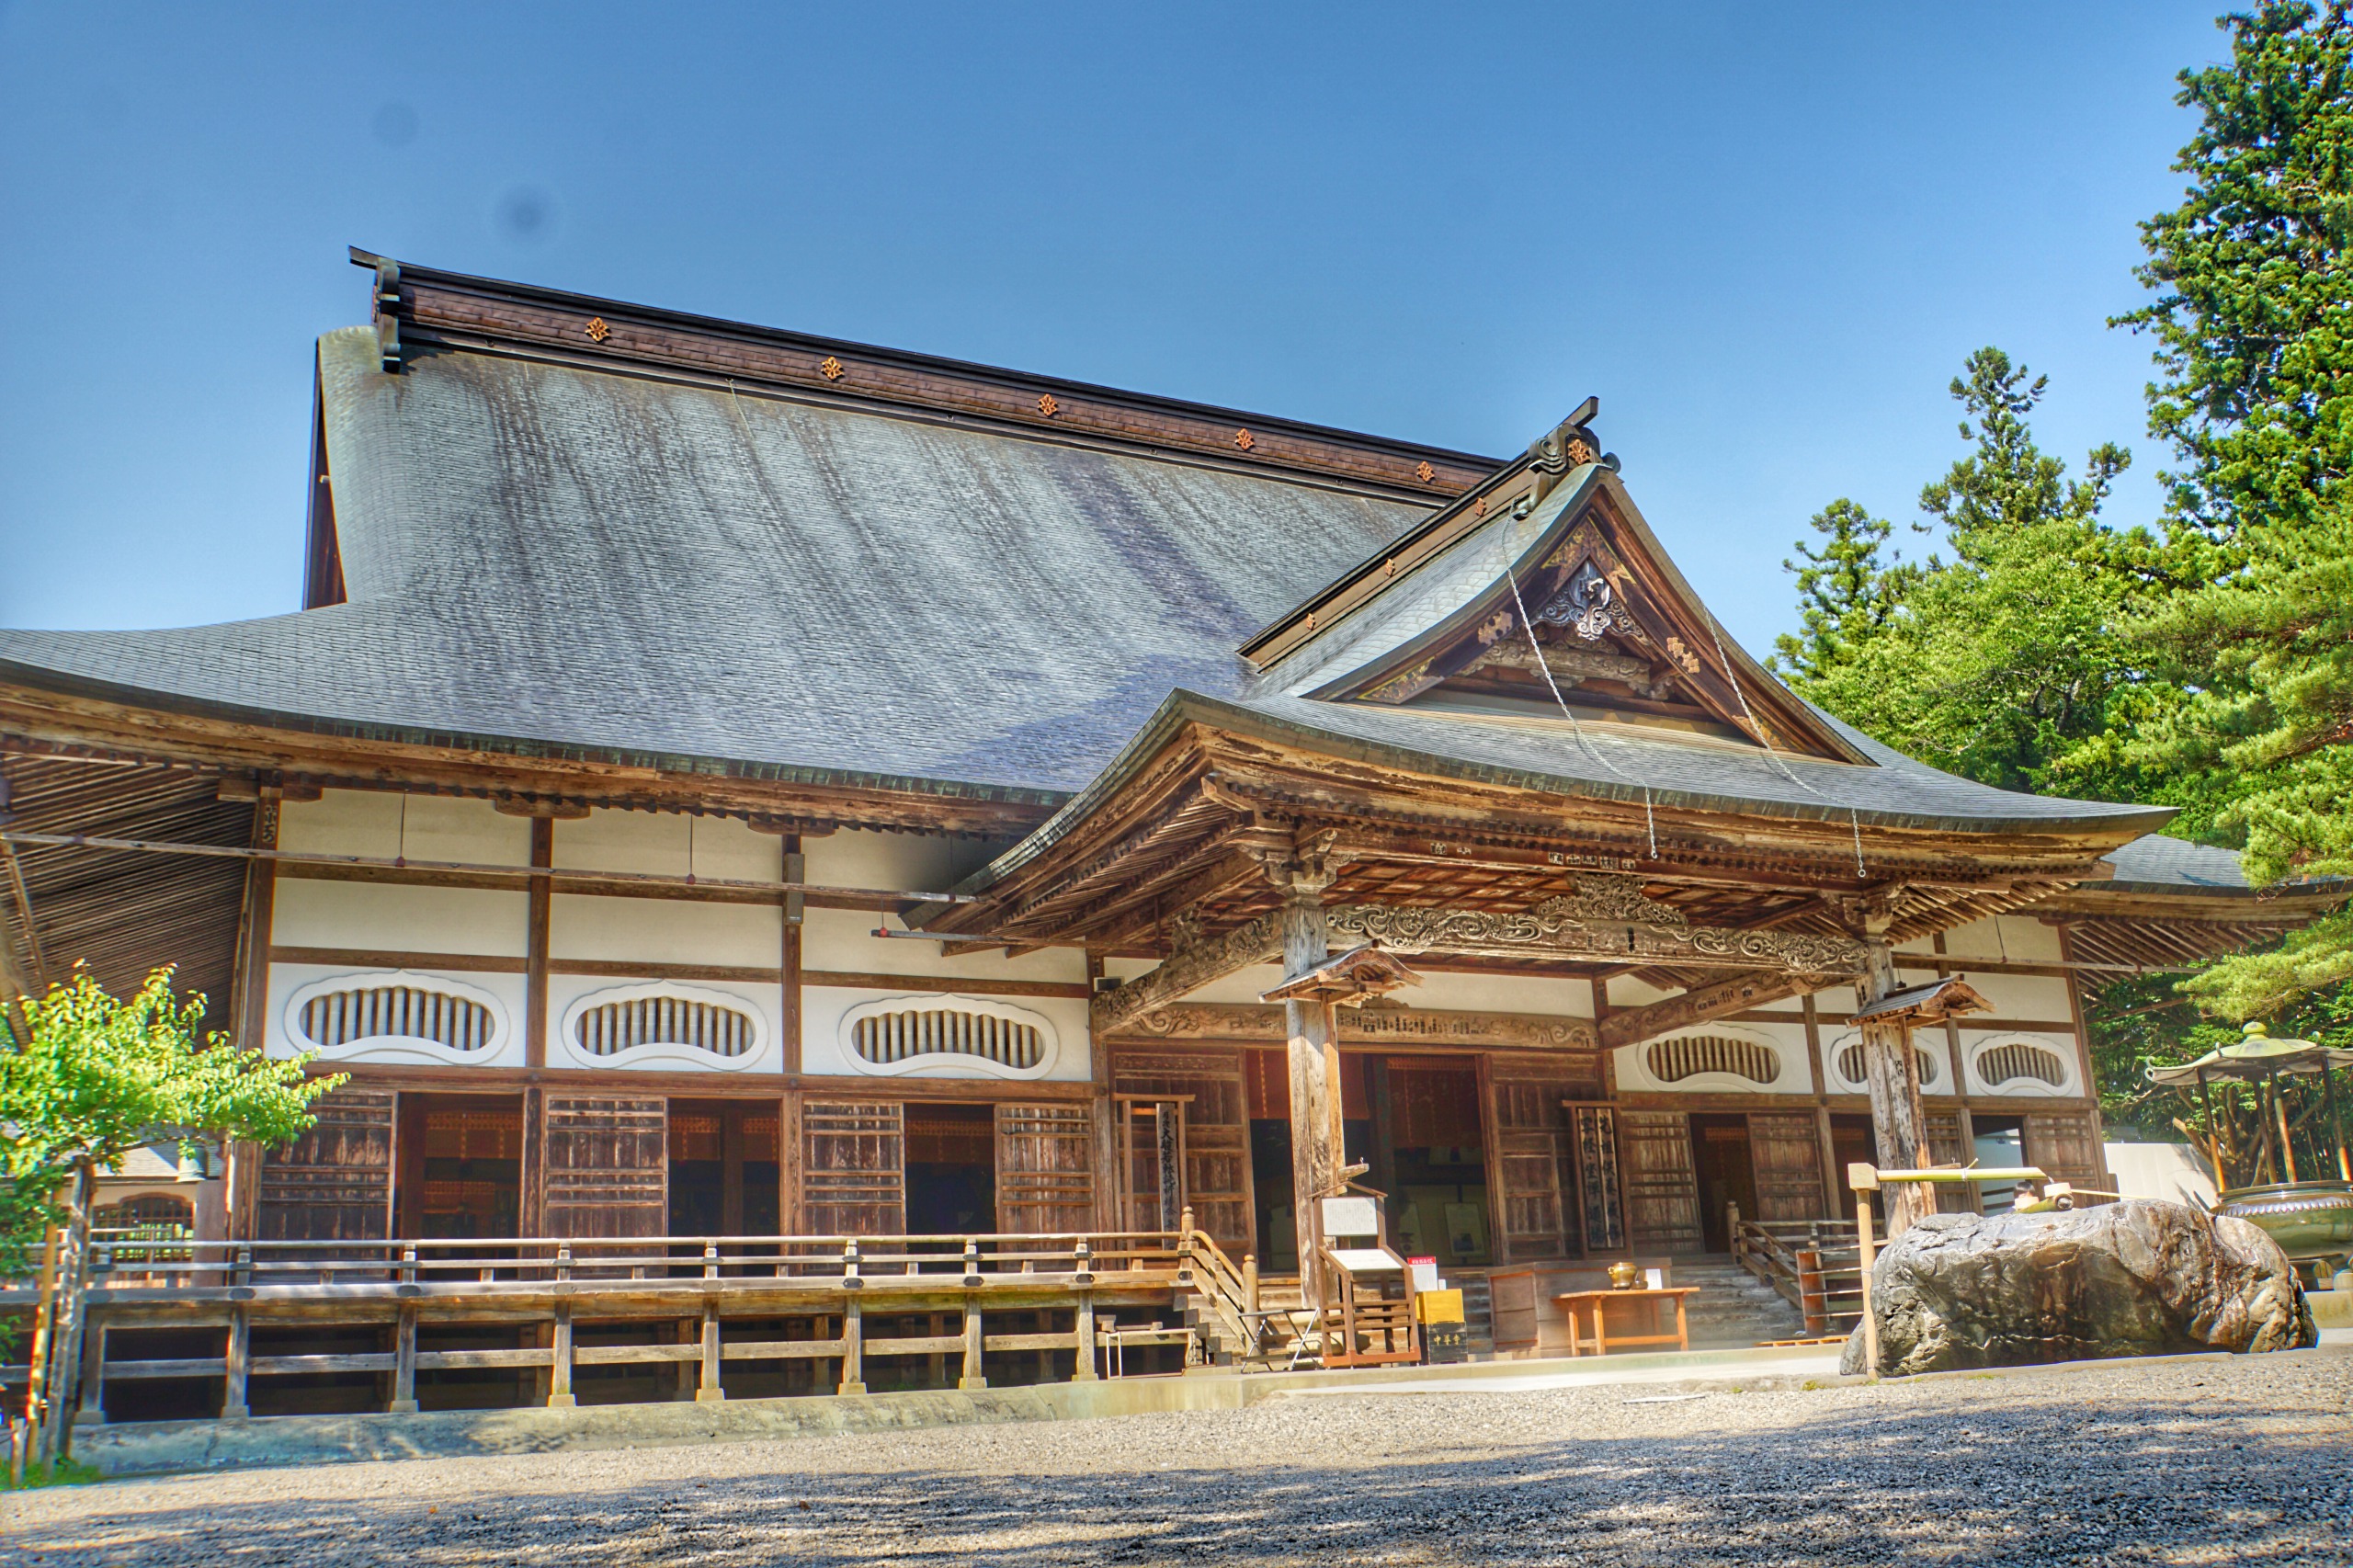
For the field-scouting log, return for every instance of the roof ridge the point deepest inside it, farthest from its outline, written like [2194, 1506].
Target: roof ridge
[417, 306]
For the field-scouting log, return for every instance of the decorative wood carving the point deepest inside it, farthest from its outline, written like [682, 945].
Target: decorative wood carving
[1402, 1028]
[1552, 930]
[1188, 968]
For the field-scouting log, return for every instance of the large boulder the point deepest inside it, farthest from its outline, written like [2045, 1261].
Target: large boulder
[2139, 1277]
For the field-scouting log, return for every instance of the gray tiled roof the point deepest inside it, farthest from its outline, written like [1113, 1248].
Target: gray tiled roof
[559, 558]
[2176, 865]
[573, 560]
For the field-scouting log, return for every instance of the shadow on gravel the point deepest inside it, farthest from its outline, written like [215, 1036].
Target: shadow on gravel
[1989, 1482]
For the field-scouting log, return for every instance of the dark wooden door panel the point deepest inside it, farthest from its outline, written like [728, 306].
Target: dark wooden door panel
[2065, 1144]
[854, 1173]
[608, 1166]
[1533, 1188]
[1045, 1168]
[1946, 1148]
[1217, 1133]
[1598, 1178]
[334, 1182]
[1662, 1189]
[1784, 1157]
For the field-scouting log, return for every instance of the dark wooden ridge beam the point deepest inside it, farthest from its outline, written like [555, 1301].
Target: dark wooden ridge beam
[421, 305]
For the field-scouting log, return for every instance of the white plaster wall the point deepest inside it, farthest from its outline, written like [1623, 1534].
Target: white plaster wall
[660, 930]
[280, 1038]
[2062, 1045]
[1837, 1037]
[2040, 999]
[765, 1002]
[1625, 991]
[2019, 938]
[857, 858]
[1788, 1039]
[823, 1050]
[845, 939]
[658, 844]
[383, 917]
[439, 827]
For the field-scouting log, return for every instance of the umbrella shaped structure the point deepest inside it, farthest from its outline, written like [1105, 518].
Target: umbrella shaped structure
[2308, 1219]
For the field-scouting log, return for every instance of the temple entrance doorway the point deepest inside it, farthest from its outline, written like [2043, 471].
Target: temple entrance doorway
[1415, 1123]
[1724, 1173]
[459, 1171]
[724, 1176]
[1425, 1141]
[952, 1169]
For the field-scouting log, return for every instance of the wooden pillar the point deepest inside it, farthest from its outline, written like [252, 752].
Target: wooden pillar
[94, 1373]
[796, 868]
[853, 1348]
[973, 1376]
[560, 1395]
[683, 1332]
[404, 1400]
[730, 1168]
[1083, 1371]
[1899, 1124]
[1314, 1064]
[252, 1007]
[710, 1392]
[254, 940]
[233, 1403]
[1834, 1194]
[535, 950]
[533, 1219]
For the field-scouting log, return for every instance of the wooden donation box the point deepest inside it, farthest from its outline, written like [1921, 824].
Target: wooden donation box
[1444, 1336]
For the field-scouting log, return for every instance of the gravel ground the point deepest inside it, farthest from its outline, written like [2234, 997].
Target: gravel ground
[2236, 1461]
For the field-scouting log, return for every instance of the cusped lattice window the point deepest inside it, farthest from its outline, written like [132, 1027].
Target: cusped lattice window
[661, 1022]
[1673, 1060]
[1854, 1066]
[2020, 1061]
[916, 1034]
[396, 1016]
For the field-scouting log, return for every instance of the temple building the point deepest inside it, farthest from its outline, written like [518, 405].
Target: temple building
[723, 783]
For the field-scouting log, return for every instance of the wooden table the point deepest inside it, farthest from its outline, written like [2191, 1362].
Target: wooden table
[1601, 1342]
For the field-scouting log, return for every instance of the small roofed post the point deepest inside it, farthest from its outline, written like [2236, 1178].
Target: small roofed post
[1311, 998]
[1899, 1126]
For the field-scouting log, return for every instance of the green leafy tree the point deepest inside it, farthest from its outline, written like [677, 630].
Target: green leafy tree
[2002, 661]
[99, 1077]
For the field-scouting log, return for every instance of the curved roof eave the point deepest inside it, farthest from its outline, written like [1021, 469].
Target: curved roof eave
[66, 684]
[1183, 706]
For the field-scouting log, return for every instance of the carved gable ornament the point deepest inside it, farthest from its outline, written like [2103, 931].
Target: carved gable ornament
[1604, 623]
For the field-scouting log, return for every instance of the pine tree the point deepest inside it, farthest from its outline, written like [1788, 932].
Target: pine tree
[2002, 661]
[1846, 592]
[2252, 325]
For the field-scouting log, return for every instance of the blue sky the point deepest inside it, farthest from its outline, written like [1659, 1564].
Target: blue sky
[1766, 236]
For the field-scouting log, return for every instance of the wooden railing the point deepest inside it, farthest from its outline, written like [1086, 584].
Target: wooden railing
[1814, 1263]
[122, 1261]
[827, 1284]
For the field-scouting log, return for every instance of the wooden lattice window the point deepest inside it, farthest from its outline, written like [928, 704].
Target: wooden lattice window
[625, 1025]
[887, 1038]
[2020, 1059]
[1672, 1061]
[1855, 1067]
[136, 1224]
[395, 1011]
